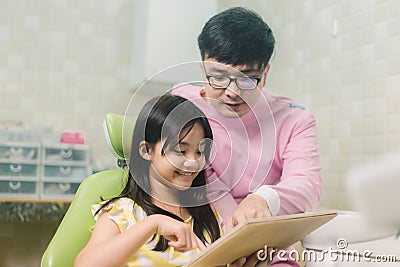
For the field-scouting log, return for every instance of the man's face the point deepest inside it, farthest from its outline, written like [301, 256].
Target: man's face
[232, 101]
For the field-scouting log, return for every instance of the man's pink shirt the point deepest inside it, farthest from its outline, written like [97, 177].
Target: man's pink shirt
[274, 145]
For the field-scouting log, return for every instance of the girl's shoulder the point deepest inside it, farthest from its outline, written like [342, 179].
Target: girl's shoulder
[124, 211]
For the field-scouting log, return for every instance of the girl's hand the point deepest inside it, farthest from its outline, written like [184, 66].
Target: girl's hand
[179, 234]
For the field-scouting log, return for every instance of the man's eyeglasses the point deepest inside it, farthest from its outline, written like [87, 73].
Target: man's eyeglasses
[243, 83]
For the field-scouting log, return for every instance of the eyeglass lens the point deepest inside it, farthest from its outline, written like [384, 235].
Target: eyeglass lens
[245, 83]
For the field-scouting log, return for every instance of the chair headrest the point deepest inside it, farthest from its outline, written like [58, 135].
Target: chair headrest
[119, 130]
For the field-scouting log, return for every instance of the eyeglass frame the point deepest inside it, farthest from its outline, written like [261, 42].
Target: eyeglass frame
[257, 79]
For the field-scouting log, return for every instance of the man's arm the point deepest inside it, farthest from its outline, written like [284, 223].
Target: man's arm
[219, 195]
[300, 186]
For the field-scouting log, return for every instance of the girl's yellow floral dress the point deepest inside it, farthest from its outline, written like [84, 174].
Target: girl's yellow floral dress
[126, 213]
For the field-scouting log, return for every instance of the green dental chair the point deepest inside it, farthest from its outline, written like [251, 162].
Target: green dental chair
[74, 230]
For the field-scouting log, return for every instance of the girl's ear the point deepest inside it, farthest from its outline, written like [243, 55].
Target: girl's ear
[144, 150]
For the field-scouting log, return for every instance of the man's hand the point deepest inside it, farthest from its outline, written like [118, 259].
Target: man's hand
[253, 206]
[249, 261]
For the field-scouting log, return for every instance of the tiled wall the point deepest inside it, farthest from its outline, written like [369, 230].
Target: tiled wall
[350, 78]
[64, 64]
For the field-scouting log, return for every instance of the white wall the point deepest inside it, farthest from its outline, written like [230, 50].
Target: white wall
[65, 64]
[167, 36]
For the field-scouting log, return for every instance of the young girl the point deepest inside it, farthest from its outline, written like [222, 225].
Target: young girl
[162, 217]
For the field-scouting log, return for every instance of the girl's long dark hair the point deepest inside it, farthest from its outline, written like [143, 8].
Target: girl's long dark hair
[164, 118]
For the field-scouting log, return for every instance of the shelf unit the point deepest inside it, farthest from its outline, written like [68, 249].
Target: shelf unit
[42, 171]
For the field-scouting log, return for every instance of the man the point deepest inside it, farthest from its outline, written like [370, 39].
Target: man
[266, 152]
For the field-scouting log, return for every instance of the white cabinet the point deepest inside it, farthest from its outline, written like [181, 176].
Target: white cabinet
[64, 166]
[33, 170]
[19, 169]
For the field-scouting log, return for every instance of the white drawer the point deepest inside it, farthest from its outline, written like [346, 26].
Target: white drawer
[17, 188]
[18, 170]
[66, 153]
[66, 171]
[58, 190]
[19, 152]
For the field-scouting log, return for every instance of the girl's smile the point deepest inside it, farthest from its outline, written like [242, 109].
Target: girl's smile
[179, 165]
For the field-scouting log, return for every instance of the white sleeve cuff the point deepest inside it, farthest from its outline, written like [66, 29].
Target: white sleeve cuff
[271, 196]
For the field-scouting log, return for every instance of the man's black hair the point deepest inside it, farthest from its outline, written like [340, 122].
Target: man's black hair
[237, 36]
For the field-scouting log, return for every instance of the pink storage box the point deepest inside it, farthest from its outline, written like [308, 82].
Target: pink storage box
[72, 137]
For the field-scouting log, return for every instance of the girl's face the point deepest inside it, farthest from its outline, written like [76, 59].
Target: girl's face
[182, 162]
